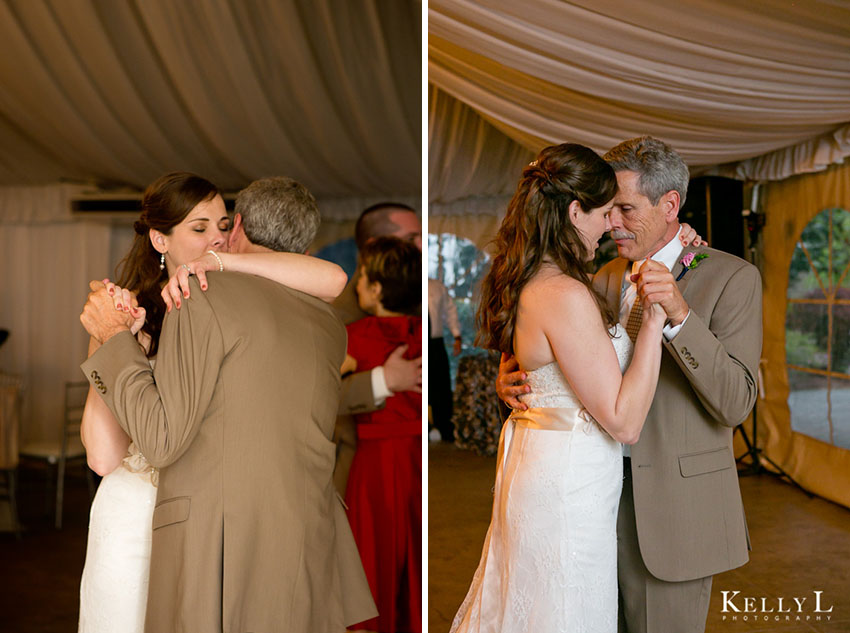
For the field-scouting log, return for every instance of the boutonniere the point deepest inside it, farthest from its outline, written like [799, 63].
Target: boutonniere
[691, 261]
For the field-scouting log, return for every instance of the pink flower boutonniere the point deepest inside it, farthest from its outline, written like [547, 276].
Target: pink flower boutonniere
[691, 261]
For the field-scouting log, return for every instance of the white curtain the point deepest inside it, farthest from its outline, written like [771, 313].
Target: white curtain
[118, 92]
[46, 267]
[757, 90]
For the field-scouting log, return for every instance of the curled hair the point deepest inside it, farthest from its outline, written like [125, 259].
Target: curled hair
[165, 204]
[659, 167]
[397, 266]
[537, 227]
[279, 214]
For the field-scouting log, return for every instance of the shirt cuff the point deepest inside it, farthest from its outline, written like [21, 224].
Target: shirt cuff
[380, 391]
[670, 331]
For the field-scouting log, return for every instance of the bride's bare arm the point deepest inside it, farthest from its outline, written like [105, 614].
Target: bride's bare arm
[573, 325]
[105, 441]
[311, 275]
[305, 273]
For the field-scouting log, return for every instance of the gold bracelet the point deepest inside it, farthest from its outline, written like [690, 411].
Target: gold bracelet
[218, 259]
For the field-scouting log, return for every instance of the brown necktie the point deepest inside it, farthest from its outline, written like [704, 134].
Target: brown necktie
[635, 316]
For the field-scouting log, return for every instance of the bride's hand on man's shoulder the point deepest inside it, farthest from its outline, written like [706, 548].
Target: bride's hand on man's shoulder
[177, 287]
[689, 235]
[510, 383]
[125, 301]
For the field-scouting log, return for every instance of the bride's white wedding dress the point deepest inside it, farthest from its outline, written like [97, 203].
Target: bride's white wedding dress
[549, 562]
[114, 587]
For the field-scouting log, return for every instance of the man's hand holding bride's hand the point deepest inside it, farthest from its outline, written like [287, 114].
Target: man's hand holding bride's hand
[402, 374]
[510, 383]
[100, 316]
[177, 287]
[654, 315]
[125, 301]
[655, 285]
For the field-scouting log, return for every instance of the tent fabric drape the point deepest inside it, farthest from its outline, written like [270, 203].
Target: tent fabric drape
[722, 82]
[122, 92]
[467, 154]
[46, 341]
[789, 206]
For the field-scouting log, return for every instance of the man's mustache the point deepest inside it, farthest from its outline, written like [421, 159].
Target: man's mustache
[616, 234]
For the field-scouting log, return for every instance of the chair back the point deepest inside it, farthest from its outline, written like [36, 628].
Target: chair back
[10, 414]
[75, 402]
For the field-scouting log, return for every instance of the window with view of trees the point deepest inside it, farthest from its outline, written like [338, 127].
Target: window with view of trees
[817, 329]
[460, 265]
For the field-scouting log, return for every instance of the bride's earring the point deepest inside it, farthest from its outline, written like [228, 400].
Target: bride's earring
[162, 261]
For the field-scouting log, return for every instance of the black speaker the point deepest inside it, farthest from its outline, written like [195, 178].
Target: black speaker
[713, 207]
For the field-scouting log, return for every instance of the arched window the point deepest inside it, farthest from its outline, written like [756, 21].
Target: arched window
[460, 265]
[817, 329]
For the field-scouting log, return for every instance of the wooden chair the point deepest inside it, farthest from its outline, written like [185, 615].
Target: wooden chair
[69, 449]
[10, 407]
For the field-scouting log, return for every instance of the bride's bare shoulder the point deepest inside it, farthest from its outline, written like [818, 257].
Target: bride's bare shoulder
[549, 282]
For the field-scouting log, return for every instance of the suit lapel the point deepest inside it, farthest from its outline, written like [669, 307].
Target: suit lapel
[678, 268]
[615, 283]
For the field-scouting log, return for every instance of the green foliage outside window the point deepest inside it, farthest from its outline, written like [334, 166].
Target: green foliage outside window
[817, 329]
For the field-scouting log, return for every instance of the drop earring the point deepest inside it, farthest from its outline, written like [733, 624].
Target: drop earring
[162, 261]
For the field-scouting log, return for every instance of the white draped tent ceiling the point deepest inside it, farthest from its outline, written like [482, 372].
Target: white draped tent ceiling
[755, 90]
[118, 92]
[101, 97]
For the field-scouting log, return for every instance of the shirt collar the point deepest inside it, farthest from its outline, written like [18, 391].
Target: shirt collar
[669, 253]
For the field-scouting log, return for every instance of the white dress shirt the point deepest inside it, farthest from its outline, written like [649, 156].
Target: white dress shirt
[667, 255]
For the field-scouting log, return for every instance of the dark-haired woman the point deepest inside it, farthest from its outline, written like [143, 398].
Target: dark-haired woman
[549, 562]
[384, 492]
[183, 218]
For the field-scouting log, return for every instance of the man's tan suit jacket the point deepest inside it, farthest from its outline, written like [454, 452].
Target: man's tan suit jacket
[248, 533]
[690, 519]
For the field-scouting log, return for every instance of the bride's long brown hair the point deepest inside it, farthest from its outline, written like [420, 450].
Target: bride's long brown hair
[537, 226]
[165, 204]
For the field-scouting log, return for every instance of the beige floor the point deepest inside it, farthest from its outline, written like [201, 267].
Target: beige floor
[799, 545]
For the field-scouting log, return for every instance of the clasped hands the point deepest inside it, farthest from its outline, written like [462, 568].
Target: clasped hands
[109, 310]
[662, 302]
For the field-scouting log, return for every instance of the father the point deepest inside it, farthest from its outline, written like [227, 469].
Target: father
[681, 519]
[248, 532]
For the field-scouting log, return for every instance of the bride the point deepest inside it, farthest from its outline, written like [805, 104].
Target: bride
[183, 218]
[549, 562]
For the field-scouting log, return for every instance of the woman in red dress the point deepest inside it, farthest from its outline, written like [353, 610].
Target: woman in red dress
[384, 493]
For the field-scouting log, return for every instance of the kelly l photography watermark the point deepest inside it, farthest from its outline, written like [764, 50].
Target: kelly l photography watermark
[812, 607]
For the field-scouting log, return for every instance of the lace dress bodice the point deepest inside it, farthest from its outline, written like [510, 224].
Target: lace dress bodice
[549, 387]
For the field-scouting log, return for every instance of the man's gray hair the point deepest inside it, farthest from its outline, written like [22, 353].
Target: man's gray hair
[660, 168]
[278, 213]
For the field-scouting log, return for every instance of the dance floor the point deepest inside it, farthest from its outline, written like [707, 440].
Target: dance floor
[800, 545]
[40, 574]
